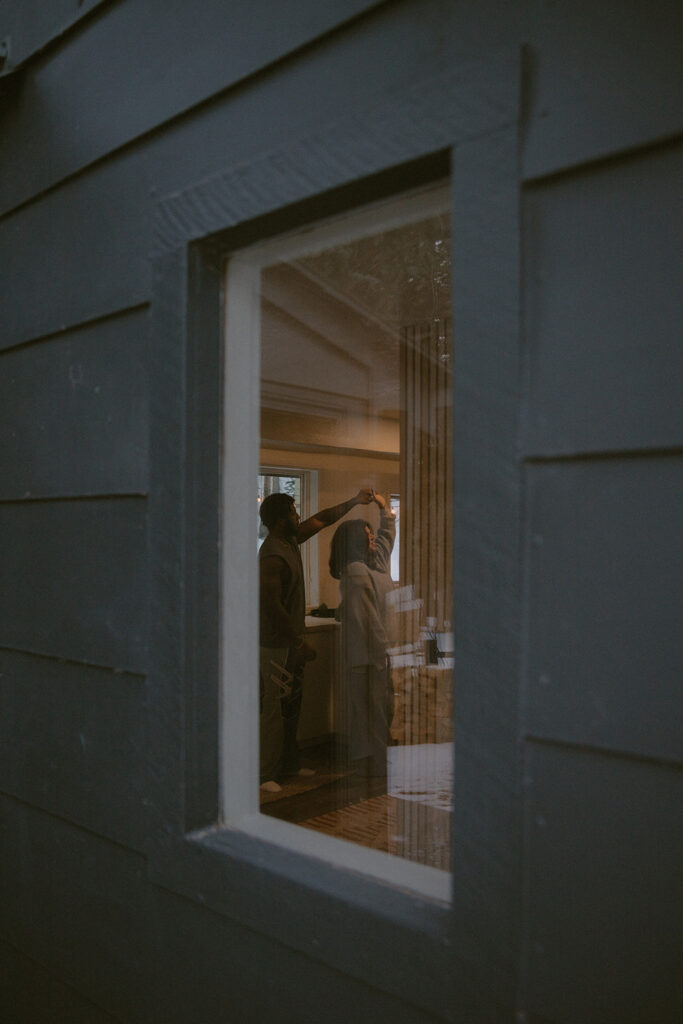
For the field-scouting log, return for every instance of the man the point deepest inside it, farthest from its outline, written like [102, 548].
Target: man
[283, 646]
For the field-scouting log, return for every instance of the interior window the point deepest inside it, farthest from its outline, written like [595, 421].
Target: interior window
[395, 505]
[353, 322]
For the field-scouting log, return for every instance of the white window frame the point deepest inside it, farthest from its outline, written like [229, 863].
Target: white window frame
[238, 702]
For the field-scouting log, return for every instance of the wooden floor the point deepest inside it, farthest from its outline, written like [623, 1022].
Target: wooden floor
[329, 789]
[347, 806]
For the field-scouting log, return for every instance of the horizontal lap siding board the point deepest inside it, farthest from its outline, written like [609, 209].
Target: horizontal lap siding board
[96, 230]
[221, 54]
[78, 572]
[603, 78]
[78, 905]
[600, 698]
[604, 373]
[150, 63]
[73, 412]
[28, 987]
[604, 887]
[33, 25]
[72, 742]
[102, 68]
[80, 253]
[605, 593]
[144, 954]
[603, 252]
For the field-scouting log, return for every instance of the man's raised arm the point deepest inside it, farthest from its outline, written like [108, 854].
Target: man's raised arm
[328, 516]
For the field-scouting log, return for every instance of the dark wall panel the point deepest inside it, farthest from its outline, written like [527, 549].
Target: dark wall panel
[604, 887]
[79, 254]
[601, 588]
[78, 580]
[364, 60]
[78, 905]
[31, 995]
[633, 95]
[225, 977]
[96, 230]
[33, 25]
[603, 251]
[143, 64]
[604, 595]
[602, 78]
[72, 741]
[73, 412]
[143, 954]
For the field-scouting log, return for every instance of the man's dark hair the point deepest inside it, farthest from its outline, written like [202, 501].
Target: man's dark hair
[349, 544]
[275, 507]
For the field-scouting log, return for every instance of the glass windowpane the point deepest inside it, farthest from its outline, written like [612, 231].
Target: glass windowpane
[356, 701]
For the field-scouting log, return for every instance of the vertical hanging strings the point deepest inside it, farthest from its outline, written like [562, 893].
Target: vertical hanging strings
[426, 551]
[426, 467]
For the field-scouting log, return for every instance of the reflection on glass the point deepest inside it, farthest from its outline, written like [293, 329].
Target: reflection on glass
[356, 363]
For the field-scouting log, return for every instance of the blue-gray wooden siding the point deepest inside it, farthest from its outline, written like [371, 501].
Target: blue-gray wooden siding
[134, 102]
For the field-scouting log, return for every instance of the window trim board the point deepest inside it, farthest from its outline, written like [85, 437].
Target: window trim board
[470, 113]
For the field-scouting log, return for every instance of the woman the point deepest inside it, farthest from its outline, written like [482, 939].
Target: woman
[361, 562]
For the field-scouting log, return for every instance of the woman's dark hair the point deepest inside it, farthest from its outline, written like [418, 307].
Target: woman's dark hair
[349, 544]
[274, 507]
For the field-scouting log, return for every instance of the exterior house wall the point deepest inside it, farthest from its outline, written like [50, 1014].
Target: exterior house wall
[568, 434]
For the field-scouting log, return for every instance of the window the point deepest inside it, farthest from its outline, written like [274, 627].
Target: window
[350, 350]
[206, 446]
[395, 505]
